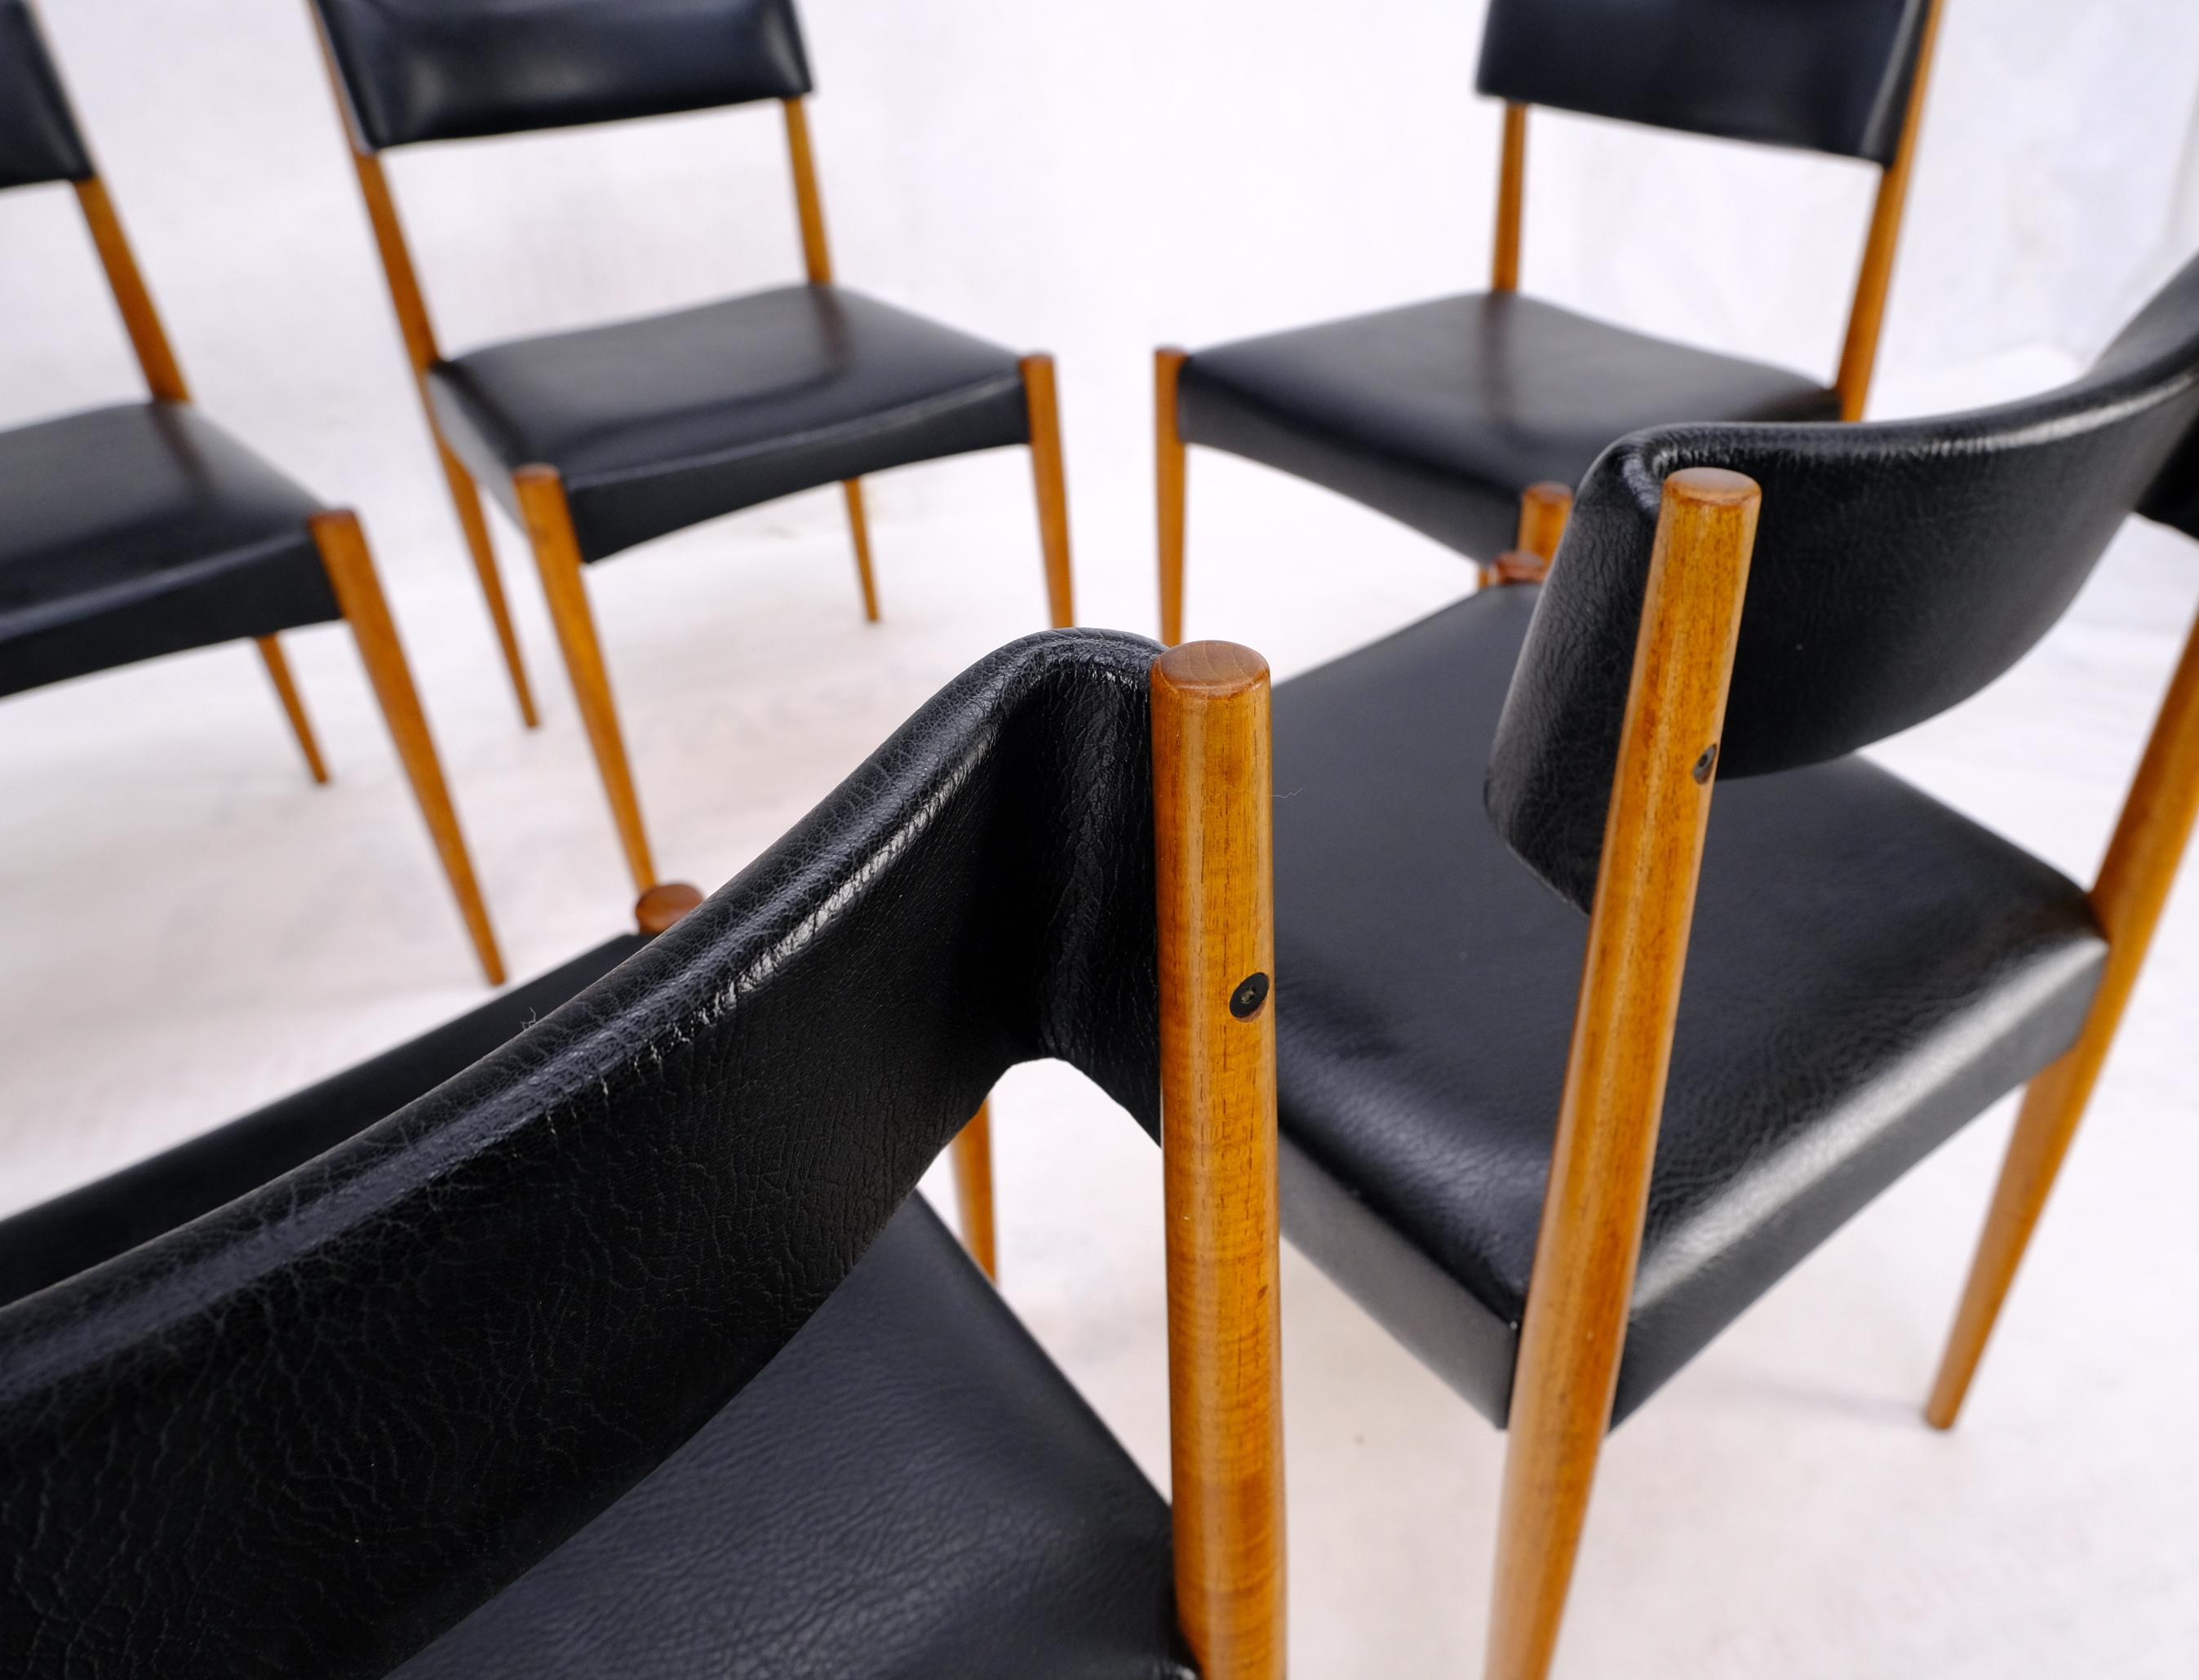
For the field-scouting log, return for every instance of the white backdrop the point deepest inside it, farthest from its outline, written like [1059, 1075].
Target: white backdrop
[1090, 178]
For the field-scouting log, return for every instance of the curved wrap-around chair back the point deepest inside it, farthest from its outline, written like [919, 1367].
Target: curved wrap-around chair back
[313, 1429]
[1899, 567]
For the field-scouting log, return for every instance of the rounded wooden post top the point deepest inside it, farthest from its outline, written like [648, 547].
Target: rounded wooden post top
[663, 905]
[1711, 488]
[1209, 670]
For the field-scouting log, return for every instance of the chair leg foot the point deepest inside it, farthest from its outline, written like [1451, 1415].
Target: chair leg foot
[286, 691]
[358, 593]
[973, 1190]
[1169, 489]
[859, 527]
[558, 554]
[465, 496]
[1053, 485]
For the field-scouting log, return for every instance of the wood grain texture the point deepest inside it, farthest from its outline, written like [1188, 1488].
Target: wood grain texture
[2151, 838]
[1213, 822]
[351, 570]
[808, 201]
[1050, 473]
[1170, 488]
[286, 691]
[148, 339]
[557, 555]
[1590, 1240]
[1867, 314]
[1511, 201]
[972, 1153]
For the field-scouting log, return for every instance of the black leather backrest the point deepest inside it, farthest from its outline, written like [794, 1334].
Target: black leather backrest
[1826, 75]
[311, 1430]
[38, 137]
[448, 69]
[1899, 568]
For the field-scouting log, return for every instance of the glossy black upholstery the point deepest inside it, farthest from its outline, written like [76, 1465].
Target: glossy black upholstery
[39, 136]
[1898, 569]
[1439, 414]
[1828, 75]
[448, 69]
[143, 529]
[322, 1425]
[658, 424]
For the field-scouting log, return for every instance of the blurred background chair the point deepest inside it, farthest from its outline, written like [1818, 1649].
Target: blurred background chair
[1444, 414]
[549, 1344]
[143, 528]
[1507, 1131]
[596, 440]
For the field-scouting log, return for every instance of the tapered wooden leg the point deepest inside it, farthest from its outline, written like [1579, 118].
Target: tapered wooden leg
[1590, 1241]
[1214, 855]
[1169, 489]
[859, 525]
[465, 496]
[2140, 867]
[557, 553]
[973, 1190]
[1053, 483]
[286, 691]
[358, 593]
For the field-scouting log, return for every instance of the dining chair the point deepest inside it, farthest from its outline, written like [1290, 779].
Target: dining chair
[1469, 418]
[596, 440]
[142, 528]
[597, 1332]
[1552, 1171]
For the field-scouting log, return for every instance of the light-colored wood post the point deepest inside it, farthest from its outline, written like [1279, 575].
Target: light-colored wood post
[558, 555]
[1511, 201]
[973, 1190]
[2150, 841]
[286, 691]
[1867, 314]
[858, 528]
[1590, 1240]
[1213, 823]
[1051, 474]
[1170, 488]
[1544, 509]
[343, 549]
[148, 339]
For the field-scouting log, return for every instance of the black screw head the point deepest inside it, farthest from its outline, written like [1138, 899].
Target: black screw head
[1707, 763]
[1251, 991]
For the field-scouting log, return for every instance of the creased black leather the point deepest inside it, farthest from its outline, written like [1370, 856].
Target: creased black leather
[143, 529]
[38, 137]
[449, 69]
[1868, 972]
[1829, 75]
[910, 1489]
[317, 1428]
[1440, 413]
[658, 424]
[1899, 568]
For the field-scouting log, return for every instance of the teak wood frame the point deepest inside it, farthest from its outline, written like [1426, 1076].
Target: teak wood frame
[1858, 350]
[1213, 825]
[342, 547]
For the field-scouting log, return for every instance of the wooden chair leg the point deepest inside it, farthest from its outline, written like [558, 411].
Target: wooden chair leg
[973, 1190]
[358, 593]
[859, 525]
[465, 496]
[2148, 844]
[286, 691]
[557, 553]
[1213, 828]
[1582, 1287]
[1544, 509]
[1171, 489]
[1053, 483]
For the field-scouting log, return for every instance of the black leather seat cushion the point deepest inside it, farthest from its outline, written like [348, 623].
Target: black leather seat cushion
[909, 1491]
[658, 424]
[1439, 414]
[143, 529]
[1868, 970]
